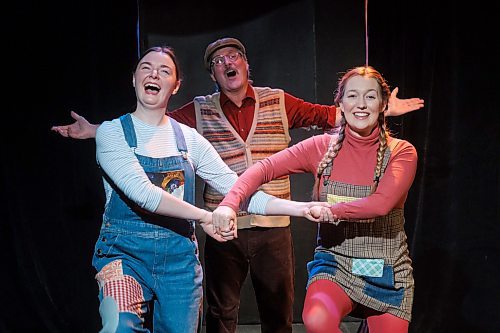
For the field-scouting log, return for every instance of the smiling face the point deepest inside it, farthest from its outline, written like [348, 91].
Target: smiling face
[155, 79]
[231, 75]
[362, 103]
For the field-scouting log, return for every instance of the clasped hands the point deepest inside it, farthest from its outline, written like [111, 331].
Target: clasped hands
[224, 223]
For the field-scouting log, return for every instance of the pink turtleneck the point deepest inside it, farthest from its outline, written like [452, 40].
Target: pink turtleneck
[354, 164]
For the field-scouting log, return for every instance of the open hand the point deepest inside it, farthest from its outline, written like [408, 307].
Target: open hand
[397, 107]
[80, 129]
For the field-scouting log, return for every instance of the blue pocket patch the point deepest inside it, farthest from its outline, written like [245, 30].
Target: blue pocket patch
[323, 262]
[382, 288]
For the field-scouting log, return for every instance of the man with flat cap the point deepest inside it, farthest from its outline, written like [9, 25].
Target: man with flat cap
[246, 124]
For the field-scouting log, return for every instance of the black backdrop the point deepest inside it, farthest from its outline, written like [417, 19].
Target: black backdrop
[78, 55]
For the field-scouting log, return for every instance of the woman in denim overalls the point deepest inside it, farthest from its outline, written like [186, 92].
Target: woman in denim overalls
[146, 255]
[361, 264]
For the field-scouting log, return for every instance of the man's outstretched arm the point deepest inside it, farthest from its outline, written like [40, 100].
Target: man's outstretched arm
[398, 107]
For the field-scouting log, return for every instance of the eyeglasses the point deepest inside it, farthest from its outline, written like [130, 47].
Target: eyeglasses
[222, 59]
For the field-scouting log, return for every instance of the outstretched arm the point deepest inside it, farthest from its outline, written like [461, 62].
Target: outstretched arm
[310, 210]
[173, 206]
[397, 107]
[80, 129]
[313, 211]
[391, 192]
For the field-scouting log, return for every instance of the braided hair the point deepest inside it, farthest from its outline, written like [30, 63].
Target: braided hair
[337, 140]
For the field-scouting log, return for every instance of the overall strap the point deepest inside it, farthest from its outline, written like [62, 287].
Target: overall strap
[128, 130]
[179, 138]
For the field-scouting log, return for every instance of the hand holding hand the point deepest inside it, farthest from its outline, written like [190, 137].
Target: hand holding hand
[208, 228]
[320, 212]
[80, 129]
[225, 221]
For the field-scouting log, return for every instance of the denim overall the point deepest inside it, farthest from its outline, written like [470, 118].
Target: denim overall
[144, 259]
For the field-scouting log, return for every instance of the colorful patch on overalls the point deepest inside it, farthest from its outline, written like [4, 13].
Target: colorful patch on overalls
[368, 267]
[124, 289]
[323, 262]
[111, 271]
[171, 181]
[382, 288]
[334, 199]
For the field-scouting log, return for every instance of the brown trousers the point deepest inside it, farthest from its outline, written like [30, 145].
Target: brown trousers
[268, 254]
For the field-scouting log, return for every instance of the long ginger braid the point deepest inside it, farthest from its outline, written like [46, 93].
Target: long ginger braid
[383, 135]
[331, 153]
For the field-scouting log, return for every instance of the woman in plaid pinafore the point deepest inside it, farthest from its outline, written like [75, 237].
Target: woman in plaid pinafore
[361, 264]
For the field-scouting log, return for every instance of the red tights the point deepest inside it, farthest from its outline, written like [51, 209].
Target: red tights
[326, 304]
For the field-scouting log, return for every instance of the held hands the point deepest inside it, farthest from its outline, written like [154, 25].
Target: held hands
[208, 228]
[320, 212]
[397, 107]
[80, 129]
[225, 221]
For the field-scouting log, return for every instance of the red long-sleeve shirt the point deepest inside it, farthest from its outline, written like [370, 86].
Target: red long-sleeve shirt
[354, 164]
[299, 113]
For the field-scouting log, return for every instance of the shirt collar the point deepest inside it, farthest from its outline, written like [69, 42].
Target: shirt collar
[249, 94]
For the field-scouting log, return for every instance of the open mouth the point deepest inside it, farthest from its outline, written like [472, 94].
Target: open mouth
[231, 73]
[151, 88]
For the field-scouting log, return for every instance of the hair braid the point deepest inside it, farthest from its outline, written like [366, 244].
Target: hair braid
[380, 152]
[331, 153]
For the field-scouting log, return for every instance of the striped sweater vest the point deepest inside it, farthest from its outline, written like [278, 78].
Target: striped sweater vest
[268, 135]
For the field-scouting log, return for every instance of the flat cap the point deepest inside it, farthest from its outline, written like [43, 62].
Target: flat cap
[219, 44]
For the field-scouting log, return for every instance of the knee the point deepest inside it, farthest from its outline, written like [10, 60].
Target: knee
[223, 312]
[318, 320]
[114, 321]
[128, 323]
[312, 318]
[108, 309]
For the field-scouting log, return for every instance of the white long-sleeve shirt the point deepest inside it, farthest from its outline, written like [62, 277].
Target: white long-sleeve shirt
[119, 162]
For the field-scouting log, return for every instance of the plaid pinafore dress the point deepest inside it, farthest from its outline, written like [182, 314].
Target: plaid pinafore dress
[368, 258]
